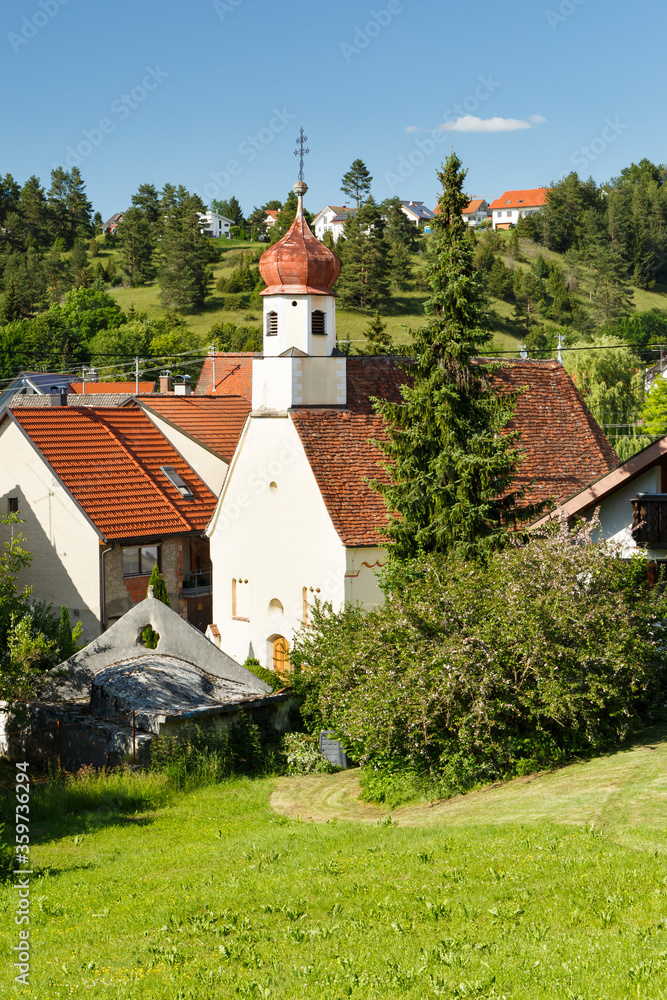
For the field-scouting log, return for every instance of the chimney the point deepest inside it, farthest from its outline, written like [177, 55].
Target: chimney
[165, 381]
[183, 388]
[92, 376]
[59, 395]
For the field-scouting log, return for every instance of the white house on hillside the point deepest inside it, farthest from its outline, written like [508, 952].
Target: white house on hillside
[476, 212]
[417, 212]
[514, 205]
[215, 224]
[332, 219]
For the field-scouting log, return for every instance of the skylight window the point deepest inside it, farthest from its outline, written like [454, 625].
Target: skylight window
[177, 481]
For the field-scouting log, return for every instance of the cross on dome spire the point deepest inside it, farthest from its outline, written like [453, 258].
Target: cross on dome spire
[301, 140]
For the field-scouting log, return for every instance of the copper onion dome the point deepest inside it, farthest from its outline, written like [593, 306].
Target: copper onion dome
[299, 264]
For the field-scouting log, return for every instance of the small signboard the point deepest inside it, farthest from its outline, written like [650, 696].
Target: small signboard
[427, 229]
[332, 749]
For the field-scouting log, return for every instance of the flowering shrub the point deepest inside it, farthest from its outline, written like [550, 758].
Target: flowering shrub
[470, 671]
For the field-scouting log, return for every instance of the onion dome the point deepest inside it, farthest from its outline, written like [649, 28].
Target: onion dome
[299, 264]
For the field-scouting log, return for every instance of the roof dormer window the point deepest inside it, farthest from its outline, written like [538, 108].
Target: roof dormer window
[177, 481]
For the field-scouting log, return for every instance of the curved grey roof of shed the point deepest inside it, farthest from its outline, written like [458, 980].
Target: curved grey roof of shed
[122, 642]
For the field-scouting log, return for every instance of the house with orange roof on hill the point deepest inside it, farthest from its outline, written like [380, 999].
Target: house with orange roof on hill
[476, 212]
[514, 205]
[297, 520]
[104, 496]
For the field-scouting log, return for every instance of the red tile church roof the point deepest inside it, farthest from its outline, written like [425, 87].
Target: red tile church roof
[564, 448]
[109, 460]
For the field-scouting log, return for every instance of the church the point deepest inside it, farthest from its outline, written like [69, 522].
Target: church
[296, 520]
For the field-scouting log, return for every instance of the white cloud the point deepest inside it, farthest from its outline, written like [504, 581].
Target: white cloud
[470, 123]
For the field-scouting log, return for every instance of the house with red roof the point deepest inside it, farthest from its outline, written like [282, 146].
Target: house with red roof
[476, 212]
[226, 373]
[296, 519]
[514, 205]
[104, 496]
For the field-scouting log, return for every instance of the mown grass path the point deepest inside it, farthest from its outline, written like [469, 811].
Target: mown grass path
[148, 894]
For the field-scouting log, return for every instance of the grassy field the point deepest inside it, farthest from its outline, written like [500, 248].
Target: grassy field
[553, 887]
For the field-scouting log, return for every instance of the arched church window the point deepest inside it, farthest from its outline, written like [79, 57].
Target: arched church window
[317, 322]
[272, 324]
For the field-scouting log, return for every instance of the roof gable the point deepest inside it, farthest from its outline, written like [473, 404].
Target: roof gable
[110, 460]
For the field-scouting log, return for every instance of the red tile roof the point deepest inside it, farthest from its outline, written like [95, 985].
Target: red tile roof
[92, 387]
[109, 459]
[233, 375]
[564, 448]
[473, 206]
[215, 421]
[530, 198]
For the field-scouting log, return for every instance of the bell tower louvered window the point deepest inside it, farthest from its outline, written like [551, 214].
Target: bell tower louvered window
[317, 323]
[272, 324]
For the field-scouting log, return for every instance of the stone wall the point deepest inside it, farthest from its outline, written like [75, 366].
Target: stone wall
[122, 593]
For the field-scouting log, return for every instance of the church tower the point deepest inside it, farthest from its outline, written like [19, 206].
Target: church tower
[299, 365]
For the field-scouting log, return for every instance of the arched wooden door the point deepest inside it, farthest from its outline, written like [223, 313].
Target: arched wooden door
[281, 664]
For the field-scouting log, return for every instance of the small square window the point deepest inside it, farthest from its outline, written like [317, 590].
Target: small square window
[13, 505]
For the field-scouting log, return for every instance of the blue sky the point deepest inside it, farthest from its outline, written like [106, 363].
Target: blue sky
[212, 93]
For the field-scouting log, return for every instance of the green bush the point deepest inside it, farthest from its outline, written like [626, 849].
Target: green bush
[254, 666]
[474, 672]
[303, 755]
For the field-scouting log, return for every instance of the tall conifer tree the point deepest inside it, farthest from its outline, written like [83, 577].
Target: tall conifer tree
[451, 470]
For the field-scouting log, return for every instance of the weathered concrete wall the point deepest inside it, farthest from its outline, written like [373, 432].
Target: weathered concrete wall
[122, 593]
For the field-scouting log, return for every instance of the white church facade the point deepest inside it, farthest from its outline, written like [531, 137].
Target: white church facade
[295, 520]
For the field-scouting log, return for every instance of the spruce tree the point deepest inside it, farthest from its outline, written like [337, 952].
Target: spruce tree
[135, 235]
[451, 469]
[378, 340]
[356, 183]
[364, 281]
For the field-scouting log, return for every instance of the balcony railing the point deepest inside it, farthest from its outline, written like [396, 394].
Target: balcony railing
[197, 581]
[649, 520]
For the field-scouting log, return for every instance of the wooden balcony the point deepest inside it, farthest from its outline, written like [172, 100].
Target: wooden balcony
[649, 520]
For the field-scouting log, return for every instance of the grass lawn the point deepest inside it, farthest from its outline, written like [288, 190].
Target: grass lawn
[553, 887]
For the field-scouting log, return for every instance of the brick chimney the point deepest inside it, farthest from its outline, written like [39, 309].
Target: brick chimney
[165, 381]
